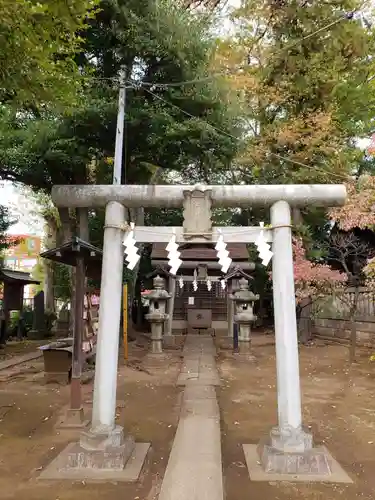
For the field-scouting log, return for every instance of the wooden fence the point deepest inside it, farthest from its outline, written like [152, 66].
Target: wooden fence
[330, 316]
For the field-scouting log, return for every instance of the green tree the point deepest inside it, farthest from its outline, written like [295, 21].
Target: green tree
[38, 40]
[303, 76]
[305, 88]
[166, 125]
[5, 222]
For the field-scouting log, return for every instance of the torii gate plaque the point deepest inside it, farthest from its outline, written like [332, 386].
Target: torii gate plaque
[288, 438]
[197, 213]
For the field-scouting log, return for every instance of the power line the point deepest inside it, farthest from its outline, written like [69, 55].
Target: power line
[179, 84]
[223, 132]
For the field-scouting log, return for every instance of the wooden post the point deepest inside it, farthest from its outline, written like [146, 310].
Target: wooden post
[78, 322]
[230, 309]
[125, 319]
[75, 386]
[172, 293]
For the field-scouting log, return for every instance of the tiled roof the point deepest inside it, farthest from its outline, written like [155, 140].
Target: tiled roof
[8, 275]
[237, 252]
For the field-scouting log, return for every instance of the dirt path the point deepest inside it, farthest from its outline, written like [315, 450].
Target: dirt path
[147, 407]
[338, 403]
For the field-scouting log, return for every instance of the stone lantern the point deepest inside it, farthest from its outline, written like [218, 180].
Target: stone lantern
[243, 314]
[158, 298]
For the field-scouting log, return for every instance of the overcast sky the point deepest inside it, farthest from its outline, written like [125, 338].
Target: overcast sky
[22, 209]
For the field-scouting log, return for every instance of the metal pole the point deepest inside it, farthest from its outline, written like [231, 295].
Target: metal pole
[105, 384]
[120, 130]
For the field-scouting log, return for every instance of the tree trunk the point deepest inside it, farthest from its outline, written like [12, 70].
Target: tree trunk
[64, 235]
[137, 216]
[353, 326]
[353, 341]
[65, 231]
[303, 313]
[51, 240]
[83, 224]
[49, 291]
[297, 217]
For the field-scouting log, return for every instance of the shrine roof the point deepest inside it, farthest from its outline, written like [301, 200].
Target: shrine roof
[160, 271]
[199, 252]
[20, 277]
[76, 247]
[236, 272]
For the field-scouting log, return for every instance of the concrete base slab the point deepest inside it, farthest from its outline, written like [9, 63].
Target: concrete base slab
[334, 474]
[60, 468]
[73, 419]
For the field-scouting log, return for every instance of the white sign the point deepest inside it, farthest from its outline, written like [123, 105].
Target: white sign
[191, 301]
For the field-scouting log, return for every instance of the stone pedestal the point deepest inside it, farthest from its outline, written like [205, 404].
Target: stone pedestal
[290, 451]
[288, 439]
[102, 450]
[156, 334]
[74, 419]
[98, 450]
[289, 455]
[244, 331]
[99, 455]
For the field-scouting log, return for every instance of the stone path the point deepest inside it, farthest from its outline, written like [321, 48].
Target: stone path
[194, 470]
[17, 360]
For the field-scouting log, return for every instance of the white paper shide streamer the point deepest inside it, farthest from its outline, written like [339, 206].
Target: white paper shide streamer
[222, 254]
[195, 282]
[131, 251]
[174, 260]
[263, 248]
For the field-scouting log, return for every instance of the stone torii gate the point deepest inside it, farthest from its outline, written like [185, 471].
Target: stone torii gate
[197, 202]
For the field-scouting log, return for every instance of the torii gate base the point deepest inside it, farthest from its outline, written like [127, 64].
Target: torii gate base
[104, 451]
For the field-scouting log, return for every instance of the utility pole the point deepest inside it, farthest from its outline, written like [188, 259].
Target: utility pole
[110, 309]
[117, 169]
